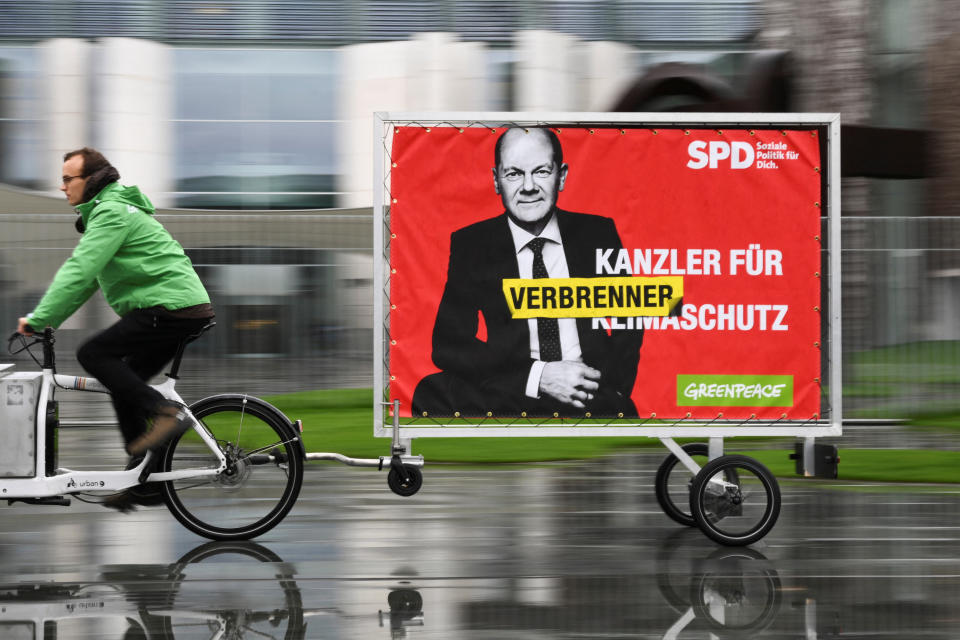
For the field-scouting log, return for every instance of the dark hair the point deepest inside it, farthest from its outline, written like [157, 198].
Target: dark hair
[551, 136]
[93, 160]
[96, 169]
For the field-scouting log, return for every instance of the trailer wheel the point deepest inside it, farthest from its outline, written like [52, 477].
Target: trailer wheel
[673, 482]
[735, 512]
[408, 485]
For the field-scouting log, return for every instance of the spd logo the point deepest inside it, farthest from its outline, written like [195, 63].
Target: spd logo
[703, 154]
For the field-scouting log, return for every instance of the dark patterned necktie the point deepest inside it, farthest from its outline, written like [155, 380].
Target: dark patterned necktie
[548, 329]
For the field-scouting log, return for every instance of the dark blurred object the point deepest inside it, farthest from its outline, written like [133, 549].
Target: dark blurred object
[681, 86]
[766, 86]
[825, 460]
[882, 152]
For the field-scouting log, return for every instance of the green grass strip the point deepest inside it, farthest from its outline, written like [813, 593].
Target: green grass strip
[341, 421]
[878, 465]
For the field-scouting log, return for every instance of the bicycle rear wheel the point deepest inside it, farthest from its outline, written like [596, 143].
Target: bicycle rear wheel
[263, 476]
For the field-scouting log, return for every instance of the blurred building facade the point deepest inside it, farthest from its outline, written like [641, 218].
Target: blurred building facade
[256, 106]
[253, 105]
[240, 104]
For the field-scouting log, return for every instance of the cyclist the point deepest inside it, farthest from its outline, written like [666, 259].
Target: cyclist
[151, 284]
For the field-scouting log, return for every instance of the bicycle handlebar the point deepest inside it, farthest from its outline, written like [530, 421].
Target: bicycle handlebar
[45, 338]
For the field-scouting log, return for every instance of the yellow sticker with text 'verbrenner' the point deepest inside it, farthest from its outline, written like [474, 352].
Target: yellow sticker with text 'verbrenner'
[620, 296]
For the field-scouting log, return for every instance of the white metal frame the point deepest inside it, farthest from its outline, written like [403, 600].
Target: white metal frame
[716, 430]
[67, 481]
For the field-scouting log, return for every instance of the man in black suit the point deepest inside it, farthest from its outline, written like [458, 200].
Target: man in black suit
[542, 366]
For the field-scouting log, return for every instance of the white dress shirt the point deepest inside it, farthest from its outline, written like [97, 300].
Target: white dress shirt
[556, 262]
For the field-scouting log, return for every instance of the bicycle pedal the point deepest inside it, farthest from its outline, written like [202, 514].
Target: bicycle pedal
[55, 501]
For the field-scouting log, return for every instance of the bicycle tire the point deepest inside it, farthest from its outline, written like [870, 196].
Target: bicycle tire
[283, 613]
[237, 504]
[726, 516]
[669, 496]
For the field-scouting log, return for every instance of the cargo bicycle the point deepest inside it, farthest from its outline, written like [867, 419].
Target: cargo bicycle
[234, 473]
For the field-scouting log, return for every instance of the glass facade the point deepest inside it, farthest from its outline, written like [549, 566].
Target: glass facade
[21, 124]
[255, 128]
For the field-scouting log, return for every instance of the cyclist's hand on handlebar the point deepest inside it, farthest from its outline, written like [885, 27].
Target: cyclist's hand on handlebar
[23, 327]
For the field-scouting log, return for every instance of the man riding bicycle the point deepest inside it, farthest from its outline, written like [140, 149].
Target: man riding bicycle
[147, 279]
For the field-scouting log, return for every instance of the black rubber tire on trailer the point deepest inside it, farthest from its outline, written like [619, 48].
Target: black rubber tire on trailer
[669, 490]
[250, 498]
[738, 512]
[405, 487]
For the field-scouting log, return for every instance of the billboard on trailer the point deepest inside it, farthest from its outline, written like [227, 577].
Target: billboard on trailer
[607, 271]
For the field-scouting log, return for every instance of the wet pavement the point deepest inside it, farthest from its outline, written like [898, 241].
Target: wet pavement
[568, 550]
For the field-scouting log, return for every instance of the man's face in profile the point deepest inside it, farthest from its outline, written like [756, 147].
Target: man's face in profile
[528, 178]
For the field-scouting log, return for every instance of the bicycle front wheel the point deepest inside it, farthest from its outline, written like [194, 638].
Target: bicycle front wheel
[263, 476]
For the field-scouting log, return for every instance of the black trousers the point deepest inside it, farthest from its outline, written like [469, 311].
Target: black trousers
[128, 354]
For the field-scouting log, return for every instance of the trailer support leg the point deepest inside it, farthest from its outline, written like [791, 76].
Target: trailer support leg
[715, 448]
[681, 455]
[809, 457]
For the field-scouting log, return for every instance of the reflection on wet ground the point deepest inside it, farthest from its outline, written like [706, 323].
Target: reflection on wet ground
[572, 550]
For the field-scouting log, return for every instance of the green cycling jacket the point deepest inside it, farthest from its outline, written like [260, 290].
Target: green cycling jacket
[127, 254]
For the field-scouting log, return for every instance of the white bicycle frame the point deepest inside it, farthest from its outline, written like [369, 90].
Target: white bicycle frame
[67, 481]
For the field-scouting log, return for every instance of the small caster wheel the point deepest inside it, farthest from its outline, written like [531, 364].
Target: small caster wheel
[408, 486]
[405, 600]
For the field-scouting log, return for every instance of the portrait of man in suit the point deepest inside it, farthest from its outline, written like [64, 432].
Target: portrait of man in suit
[492, 362]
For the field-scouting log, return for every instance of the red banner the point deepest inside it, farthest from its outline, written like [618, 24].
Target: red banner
[681, 273]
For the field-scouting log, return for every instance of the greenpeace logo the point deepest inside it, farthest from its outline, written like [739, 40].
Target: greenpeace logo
[734, 390]
[696, 391]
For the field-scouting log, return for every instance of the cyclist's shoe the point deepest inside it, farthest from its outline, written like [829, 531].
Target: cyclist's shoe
[168, 422]
[123, 502]
[148, 494]
[127, 501]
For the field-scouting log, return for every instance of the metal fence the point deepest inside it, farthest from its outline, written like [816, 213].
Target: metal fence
[901, 305]
[292, 293]
[294, 301]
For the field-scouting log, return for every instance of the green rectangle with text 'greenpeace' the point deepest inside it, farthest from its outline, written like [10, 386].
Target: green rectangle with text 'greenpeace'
[725, 390]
